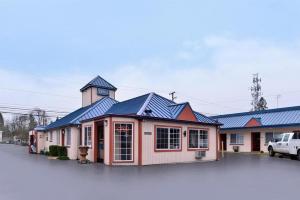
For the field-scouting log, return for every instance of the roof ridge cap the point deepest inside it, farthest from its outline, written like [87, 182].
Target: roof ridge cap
[178, 104]
[146, 103]
[88, 109]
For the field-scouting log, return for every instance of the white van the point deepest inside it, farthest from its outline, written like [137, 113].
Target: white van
[287, 143]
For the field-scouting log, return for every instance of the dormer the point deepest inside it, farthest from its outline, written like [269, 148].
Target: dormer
[95, 90]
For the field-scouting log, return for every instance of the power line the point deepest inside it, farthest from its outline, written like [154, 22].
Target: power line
[37, 92]
[27, 114]
[32, 109]
[33, 106]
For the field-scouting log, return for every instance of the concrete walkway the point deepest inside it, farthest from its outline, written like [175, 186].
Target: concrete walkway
[238, 176]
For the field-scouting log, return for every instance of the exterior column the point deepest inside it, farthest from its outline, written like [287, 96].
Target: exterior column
[140, 147]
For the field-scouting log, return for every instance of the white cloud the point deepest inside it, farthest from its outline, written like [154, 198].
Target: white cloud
[217, 84]
[222, 86]
[59, 92]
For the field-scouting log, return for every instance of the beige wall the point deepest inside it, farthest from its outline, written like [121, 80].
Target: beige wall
[72, 149]
[149, 156]
[247, 147]
[41, 138]
[90, 96]
[152, 157]
[54, 140]
[90, 155]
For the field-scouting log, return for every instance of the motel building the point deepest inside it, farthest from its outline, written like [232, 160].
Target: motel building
[144, 130]
[252, 131]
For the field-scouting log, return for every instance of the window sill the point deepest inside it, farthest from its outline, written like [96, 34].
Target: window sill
[198, 149]
[167, 150]
[123, 161]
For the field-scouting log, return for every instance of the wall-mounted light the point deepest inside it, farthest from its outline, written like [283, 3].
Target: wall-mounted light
[105, 123]
[184, 133]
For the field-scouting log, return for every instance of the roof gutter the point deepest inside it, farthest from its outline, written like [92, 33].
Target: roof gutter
[259, 127]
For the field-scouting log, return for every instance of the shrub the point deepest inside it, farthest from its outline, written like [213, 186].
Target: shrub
[62, 151]
[53, 150]
[46, 153]
[58, 151]
[63, 158]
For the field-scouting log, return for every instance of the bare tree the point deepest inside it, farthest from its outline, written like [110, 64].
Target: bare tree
[40, 116]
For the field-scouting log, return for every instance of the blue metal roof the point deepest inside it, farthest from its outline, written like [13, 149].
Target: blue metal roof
[96, 109]
[128, 107]
[176, 109]
[159, 106]
[40, 128]
[100, 108]
[268, 118]
[68, 119]
[99, 82]
[204, 119]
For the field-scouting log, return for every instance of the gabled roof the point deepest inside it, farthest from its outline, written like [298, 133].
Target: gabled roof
[96, 109]
[129, 107]
[280, 117]
[176, 109]
[154, 106]
[40, 128]
[99, 82]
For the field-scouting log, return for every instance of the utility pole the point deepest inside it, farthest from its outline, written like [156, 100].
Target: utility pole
[277, 98]
[172, 94]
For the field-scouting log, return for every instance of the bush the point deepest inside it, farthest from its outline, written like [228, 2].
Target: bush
[58, 151]
[46, 153]
[53, 150]
[63, 158]
[62, 151]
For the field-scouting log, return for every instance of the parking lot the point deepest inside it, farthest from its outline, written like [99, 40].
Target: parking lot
[237, 176]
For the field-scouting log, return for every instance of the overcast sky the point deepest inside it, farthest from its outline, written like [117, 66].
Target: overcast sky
[206, 51]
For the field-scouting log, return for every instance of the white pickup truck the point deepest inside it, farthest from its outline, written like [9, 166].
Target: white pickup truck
[287, 143]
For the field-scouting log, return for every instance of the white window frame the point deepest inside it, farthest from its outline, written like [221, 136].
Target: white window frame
[102, 92]
[132, 142]
[87, 136]
[169, 138]
[239, 140]
[199, 139]
[68, 137]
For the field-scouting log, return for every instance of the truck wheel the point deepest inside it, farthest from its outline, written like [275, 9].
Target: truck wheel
[271, 152]
[298, 155]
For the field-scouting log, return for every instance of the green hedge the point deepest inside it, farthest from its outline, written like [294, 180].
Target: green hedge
[63, 158]
[58, 151]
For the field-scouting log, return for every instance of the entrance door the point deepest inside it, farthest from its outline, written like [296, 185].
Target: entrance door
[223, 140]
[100, 154]
[255, 141]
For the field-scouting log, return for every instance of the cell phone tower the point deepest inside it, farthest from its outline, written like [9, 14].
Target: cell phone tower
[256, 92]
